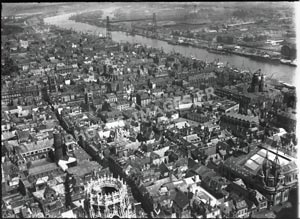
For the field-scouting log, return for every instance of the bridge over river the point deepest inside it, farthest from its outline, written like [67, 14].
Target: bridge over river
[281, 72]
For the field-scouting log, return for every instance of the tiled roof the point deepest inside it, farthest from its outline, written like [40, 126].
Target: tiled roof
[42, 169]
[59, 189]
[181, 199]
[287, 115]
[7, 135]
[163, 168]
[144, 96]
[242, 117]
[81, 154]
[289, 167]
[83, 168]
[203, 171]
[241, 204]
[23, 135]
[26, 147]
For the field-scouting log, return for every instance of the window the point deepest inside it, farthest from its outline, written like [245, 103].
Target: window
[278, 197]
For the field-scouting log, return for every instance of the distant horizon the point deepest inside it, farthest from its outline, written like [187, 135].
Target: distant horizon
[14, 8]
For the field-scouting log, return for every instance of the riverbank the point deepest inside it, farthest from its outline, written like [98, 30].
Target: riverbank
[259, 55]
[241, 52]
[283, 73]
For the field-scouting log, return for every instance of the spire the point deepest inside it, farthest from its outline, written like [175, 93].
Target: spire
[276, 166]
[267, 158]
[276, 160]
[266, 164]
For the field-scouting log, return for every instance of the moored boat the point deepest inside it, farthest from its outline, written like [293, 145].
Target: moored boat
[172, 42]
[217, 51]
[294, 63]
[285, 61]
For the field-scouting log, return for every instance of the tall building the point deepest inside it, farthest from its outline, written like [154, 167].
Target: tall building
[58, 145]
[257, 83]
[107, 197]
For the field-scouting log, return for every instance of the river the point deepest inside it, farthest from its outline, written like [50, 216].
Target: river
[281, 72]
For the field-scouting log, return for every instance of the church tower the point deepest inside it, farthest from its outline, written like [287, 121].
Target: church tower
[279, 178]
[266, 165]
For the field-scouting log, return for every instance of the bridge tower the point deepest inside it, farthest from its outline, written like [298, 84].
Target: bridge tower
[154, 24]
[108, 29]
[132, 29]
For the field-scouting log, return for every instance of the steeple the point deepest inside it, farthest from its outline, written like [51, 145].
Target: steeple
[266, 164]
[276, 167]
[276, 160]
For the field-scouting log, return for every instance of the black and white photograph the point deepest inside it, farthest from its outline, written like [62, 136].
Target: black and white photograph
[150, 109]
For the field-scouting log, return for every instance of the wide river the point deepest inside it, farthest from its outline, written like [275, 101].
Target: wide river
[281, 72]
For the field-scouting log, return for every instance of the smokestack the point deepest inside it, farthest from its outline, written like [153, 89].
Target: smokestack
[58, 145]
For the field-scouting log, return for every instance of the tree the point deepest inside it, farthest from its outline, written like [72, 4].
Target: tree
[13, 170]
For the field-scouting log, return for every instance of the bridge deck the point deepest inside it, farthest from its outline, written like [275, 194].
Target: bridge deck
[130, 20]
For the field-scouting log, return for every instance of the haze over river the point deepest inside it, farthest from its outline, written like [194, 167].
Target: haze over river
[281, 72]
